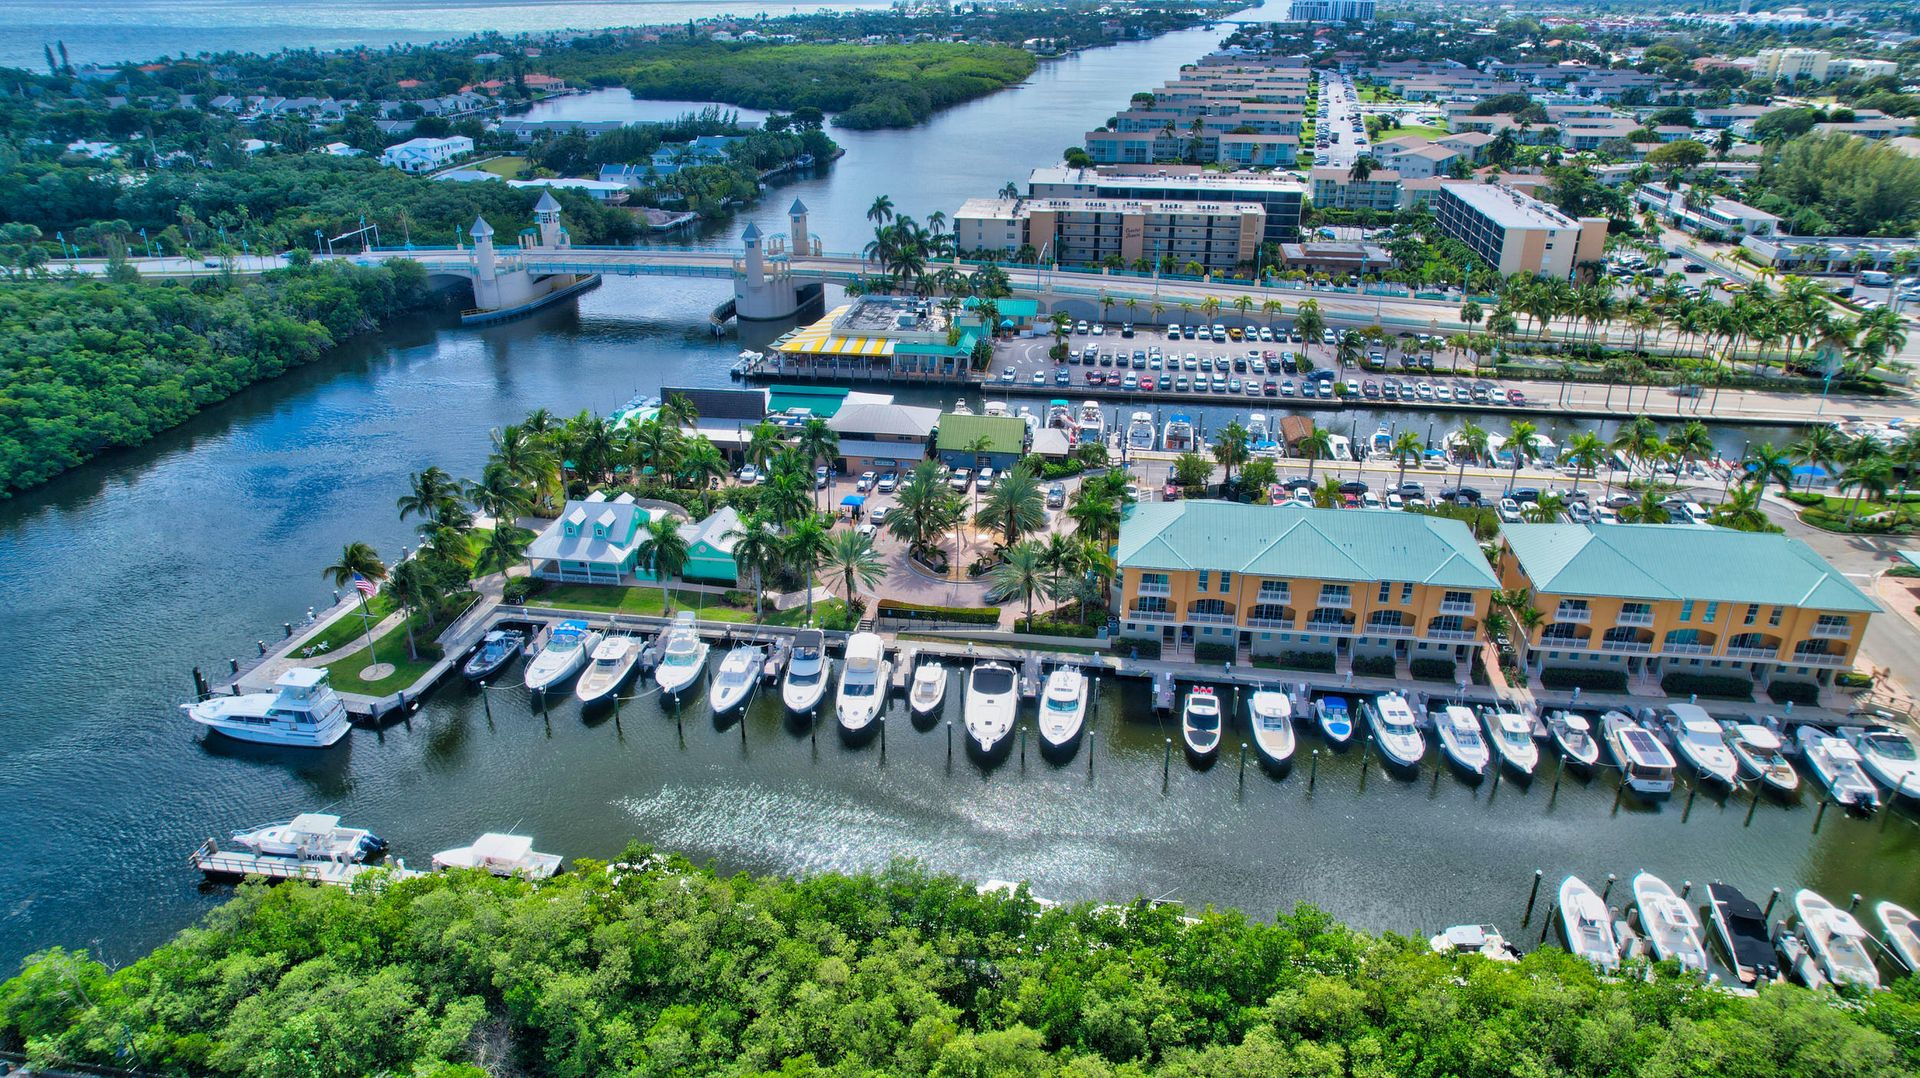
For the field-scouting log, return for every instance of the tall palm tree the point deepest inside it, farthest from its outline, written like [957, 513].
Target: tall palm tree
[1327, 495]
[1095, 512]
[1407, 445]
[1230, 449]
[851, 557]
[503, 549]
[428, 494]
[524, 458]
[358, 559]
[1063, 555]
[1022, 572]
[763, 444]
[803, 549]
[664, 551]
[1691, 442]
[818, 443]
[1316, 446]
[1647, 510]
[1872, 476]
[1818, 447]
[414, 589]
[881, 211]
[1015, 506]
[756, 550]
[1309, 322]
[702, 463]
[924, 508]
[1768, 463]
[1522, 441]
[1741, 509]
[499, 495]
[1472, 445]
[1585, 451]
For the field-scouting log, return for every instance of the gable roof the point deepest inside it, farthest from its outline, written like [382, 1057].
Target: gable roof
[719, 531]
[622, 518]
[1680, 561]
[1004, 434]
[896, 420]
[1295, 541]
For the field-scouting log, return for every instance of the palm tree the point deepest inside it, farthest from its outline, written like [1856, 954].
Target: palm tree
[766, 441]
[358, 560]
[1472, 445]
[756, 549]
[1819, 447]
[1741, 510]
[1406, 444]
[1022, 572]
[1766, 462]
[924, 508]
[1522, 440]
[499, 495]
[818, 443]
[1272, 308]
[1230, 449]
[1063, 555]
[1015, 506]
[850, 556]
[413, 587]
[1862, 477]
[1095, 512]
[1308, 321]
[1691, 441]
[1547, 508]
[1327, 495]
[881, 211]
[523, 458]
[429, 494]
[1647, 510]
[504, 548]
[1317, 445]
[803, 549]
[664, 551]
[1585, 451]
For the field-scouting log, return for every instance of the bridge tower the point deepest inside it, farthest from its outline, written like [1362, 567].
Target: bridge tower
[763, 286]
[799, 240]
[546, 217]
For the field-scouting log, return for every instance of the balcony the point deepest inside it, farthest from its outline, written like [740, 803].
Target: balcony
[1269, 623]
[1810, 659]
[1317, 625]
[1686, 649]
[1277, 598]
[1634, 617]
[1160, 590]
[1388, 630]
[1458, 636]
[1150, 615]
[1631, 647]
[1210, 619]
[1456, 607]
[1339, 599]
[1577, 614]
[1843, 631]
[1753, 653]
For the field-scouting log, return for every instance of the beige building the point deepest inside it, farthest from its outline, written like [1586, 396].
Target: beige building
[1336, 189]
[1518, 233]
[1089, 231]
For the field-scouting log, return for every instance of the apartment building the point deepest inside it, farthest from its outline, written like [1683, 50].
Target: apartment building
[1714, 214]
[1331, 11]
[1651, 599]
[1211, 145]
[1274, 578]
[1415, 158]
[1336, 189]
[424, 154]
[1280, 197]
[1517, 233]
[1220, 236]
[1792, 64]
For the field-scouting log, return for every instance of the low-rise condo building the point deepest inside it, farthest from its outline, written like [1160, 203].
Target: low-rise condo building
[1517, 233]
[1091, 231]
[1267, 579]
[1278, 195]
[1651, 599]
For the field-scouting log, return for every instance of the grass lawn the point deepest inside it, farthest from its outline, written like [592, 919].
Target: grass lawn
[392, 648]
[349, 628]
[1374, 94]
[650, 602]
[507, 168]
[1426, 131]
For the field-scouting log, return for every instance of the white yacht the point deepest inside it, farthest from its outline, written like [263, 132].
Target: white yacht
[1647, 765]
[1889, 757]
[312, 836]
[1342, 447]
[1573, 736]
[863, 683]
[302, 711]
[565, 652]
[1483, 940]
[1902, 933]
[1587, 924]
[1837, 765]
[993, 700]
[1063, 706]
[683, 658]
[1758, 750]
[733, 682]
[929, 688]
[1336, 721]
[1703, 743]
[1459, 730]
[807, 672]
[1200, 722]
[1093, 423]
[502, 855]
[613, 661]
[1511, 735]
[1669, 923]
[1140, 431]
[1838, 941]
[1380, 446]
[1272, 716]
[1396, 732]
[1177, 436]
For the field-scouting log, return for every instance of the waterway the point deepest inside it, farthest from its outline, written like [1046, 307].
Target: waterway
[121, 576]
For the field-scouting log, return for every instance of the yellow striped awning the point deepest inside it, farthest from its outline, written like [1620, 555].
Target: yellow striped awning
[819, 339]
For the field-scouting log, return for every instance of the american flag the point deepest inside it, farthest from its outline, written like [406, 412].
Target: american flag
[366, 587]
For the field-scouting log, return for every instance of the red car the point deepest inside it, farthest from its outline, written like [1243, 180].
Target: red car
[1514, 396]
[1146, 381]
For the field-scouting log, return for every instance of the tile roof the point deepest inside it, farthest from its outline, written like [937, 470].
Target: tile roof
[1294, 541]
[1680, 561]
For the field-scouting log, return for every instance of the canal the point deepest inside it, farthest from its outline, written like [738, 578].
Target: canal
[123, 575]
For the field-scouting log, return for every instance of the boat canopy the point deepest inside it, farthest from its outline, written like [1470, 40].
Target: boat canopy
[493, 846]
[1840, 750]
[1462, 719]
[1841, 923]
[1671, 910]
[1759, 737]
[1515, 724]
[1577, 722]
[313, 823]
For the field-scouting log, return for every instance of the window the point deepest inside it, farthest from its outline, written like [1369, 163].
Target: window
[1273, 591]
[1386, 592]
[1203, 580]
[1333, 594]
[1753, 611]
[1713, 608]
[1773, 619]
[1226, 581]
[1460, 598]
[1406, 594]
[1686, 607]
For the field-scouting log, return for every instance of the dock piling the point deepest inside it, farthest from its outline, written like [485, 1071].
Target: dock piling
[288, 626]
[1751, 806]
[1546, 925]
[1692, 788]
[1166, 766]
[1854, 902]
[1243, 766]
[1771, 899]
[1608, 889]
[1686, 888]
[1619, 789]
[262, 645]
[1023, 748]
[1532, 894]
[234, 665]
[949, 740]
[1820, 815]
[1313, 771]
[1089, 741]
[485, 703]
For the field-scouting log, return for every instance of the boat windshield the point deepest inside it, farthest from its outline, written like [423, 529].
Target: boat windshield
[1892, 746]
[859, 688]
[1062, 703]
[804, 677]
[681, 653]
[992, 679]
[1203, 720]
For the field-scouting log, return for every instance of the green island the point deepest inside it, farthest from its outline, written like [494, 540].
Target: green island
[655, 966]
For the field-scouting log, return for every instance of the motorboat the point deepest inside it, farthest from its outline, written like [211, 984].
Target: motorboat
[1889, 757]
[1380, 446]
[683, 657]
[733, 682]
[1742, 928]
[302, 711]
[1063, 706]
[807, 672]
[1645, 764]
[613, 661]
[1702, 743]
[1758, 750]
[563, 655]
[1837, 765]
[1140, 431]
[929, 688]
[1573, 735]
[1336, 722]
[1796, 958]
[993, 701]
[1060, 417]
[313, 836]
[1200, 722]
[1483, 940]
[1177, 436]
[1902, 932]
[1511, 735]
[863, 683]
[1459, 731]
[1586, 924]
[496, 649]
[1342, 447]
[502, 855]
[1669, 924]
[1093, 423]
[1838, 941]
[1396, 731]
[1260, 436]
[1272, 715]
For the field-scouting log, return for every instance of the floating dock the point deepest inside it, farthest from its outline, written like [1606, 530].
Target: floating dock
[234, 864]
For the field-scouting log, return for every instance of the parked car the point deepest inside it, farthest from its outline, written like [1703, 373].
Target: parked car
[888, 483]
[748, 475]
[1056, 496]
[865, 482]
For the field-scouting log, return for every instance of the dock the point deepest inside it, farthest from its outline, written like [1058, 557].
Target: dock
[234, 864]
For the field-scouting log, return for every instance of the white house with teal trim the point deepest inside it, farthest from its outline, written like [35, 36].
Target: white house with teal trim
[597, 540]
[710, 546]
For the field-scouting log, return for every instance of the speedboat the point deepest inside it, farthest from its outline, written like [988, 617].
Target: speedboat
[1902, 931]
[1511, 735]
[502, 855]
[1703, 743]
[1742, 929]
[1483, 940]
[1758, 750]
[1460, 739]
[1200, 722]
[1063, 706]
[1645, 764]
[739, 672]
[1587, 925]
[1396, 732]
[565, 652]
[302, 711]
[1336, 722]
[1177, 437]
[993, 701]
[1837, 765]
[1140, 431]
[1889, 757]
[1342, 447]
[496, 650]
[929, 688]
[313, 836]
[807, 672]
[863, 683]
[683, 657]
[1380, 446]
[1838, 941]
[1573, 736]
[613, 661]
[1272, 725]
[1093, 424]
[1669, 923]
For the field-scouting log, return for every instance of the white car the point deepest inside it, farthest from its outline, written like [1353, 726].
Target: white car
[748, 475]
[959, 479]
[868, 529]
[879, 516]
[887, 483]
[864, 483]
[1098, 330]
[820, 477]
[985, 480]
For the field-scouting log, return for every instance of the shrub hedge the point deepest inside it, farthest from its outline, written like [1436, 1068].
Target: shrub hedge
[1798, 693]
[971, 615]
[1712, 686]
[1569, 678]
[1374, 666]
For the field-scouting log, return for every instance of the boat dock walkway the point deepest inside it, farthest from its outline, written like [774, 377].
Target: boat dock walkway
[234, 864]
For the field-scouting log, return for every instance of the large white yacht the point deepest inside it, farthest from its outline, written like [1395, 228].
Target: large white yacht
[565, 652]
[302, 711]
[684, 657]
[807, 671]
[1140, 431]
[739, 672]
[502, 855]
[613, 662]
[312, 836]
[1063, 706]
[863, 682]
[993, 699]
[1396, 733]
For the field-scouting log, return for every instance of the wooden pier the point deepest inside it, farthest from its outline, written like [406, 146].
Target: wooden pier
[234, 864]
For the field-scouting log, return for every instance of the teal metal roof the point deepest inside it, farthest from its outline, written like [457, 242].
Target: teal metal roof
[1680, 561]
[1294, 541]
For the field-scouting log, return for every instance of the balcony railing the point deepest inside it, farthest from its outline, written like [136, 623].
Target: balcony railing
[1579, 614]
[1338, 599]
[1810, 659]
[1317, 625]
[1753, 653]
[1831, 632]
[1160, 590]
[1634, 617]
[1210, 619]
[1686, 649]
[1455, 607]
[1278, 598]
[1373, 629]
[1149, 615]
[1631, 646]
[1464, 636]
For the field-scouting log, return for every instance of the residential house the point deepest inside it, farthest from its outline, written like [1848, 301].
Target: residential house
[980, 441]
[425, 154]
